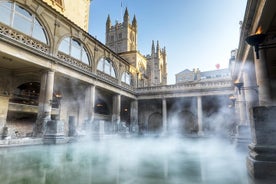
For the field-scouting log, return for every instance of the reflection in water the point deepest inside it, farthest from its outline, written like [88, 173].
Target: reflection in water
[137, 161]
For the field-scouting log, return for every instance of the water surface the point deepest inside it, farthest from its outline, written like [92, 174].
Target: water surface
[125, 161]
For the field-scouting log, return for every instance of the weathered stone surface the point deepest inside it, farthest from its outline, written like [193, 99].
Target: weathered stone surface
[261, 161]
[263, 125]
[54, 133]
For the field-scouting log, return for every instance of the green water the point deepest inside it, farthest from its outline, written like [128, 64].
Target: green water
[119, 161]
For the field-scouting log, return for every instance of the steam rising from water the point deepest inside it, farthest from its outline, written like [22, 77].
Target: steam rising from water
[144, 160]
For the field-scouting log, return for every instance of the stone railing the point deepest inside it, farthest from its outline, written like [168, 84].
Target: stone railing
[74, 62]
[127, 86]
[107, 77]
[22, 38]
[199, 85]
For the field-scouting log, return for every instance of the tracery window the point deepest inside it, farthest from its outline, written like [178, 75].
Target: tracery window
[106, 67]
[126, 78]
[74, 49]
[22, 20]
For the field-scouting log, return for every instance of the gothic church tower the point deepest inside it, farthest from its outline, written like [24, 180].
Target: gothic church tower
[157, 64]
[122, 37]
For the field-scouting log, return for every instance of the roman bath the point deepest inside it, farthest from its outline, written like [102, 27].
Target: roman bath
[76, 110]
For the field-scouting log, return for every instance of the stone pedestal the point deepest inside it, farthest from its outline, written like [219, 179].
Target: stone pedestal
[54, 132]
[242, 138]
[261, 161]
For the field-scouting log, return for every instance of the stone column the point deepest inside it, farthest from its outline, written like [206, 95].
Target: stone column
[45, 99]
[242, 107]
[251, 90]
[199, 115]
[242, 137]
[262, 80]
[116, 111]
[134, 116]
[164, 115]
[90, 103]
[4, 107]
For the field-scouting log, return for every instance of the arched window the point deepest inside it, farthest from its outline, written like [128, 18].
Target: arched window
[106, 67]
[22, 20]
[126, 78]
[74, 48]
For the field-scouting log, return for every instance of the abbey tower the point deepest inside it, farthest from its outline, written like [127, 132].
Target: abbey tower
[122, 39]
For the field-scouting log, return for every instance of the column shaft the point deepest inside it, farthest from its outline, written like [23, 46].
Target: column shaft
[116, 111]
[134, 114]
[45, 99]
[262, 80]
[199, 115]
[164, 115]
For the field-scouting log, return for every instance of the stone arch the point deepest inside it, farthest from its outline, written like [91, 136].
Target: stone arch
[127, 77]
[85, 55]
[112, 63]
[35, 18]
[155, 122]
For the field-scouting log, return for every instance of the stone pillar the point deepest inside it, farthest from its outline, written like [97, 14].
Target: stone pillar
[242, 137]
[164, 115]
[4, 106]
[261, 161]
[199, 115]
[251, 90]
[262, 80]
[116, 111]
[90, 104]
[242, 107]
[134, 116]
[44, 106]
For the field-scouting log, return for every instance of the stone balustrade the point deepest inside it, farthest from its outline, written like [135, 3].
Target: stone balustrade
[198, 85]
[23, 39]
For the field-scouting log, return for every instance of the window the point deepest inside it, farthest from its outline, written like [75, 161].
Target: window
[106, 67]
[126, 78]
[22, 20]
[74, 48]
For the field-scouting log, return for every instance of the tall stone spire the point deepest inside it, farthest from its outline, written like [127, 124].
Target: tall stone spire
[108, 22]
[157, 48]
[134, 22]
[126, 16]
[152, 48]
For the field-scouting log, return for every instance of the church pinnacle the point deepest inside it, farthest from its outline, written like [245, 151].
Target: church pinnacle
[126, 16]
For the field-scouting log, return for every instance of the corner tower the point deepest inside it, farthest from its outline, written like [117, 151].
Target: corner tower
[121, 37]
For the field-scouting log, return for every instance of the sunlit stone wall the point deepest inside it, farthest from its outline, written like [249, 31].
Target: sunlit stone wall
[76, 11]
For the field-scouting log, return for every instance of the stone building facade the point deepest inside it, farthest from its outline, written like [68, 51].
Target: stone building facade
[52, 69]
[196, 75]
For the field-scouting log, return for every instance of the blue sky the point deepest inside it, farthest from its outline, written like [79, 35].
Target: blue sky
[196, 33]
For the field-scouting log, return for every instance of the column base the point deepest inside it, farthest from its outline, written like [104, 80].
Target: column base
[242, 138]
[261, 162]
[54, 133]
